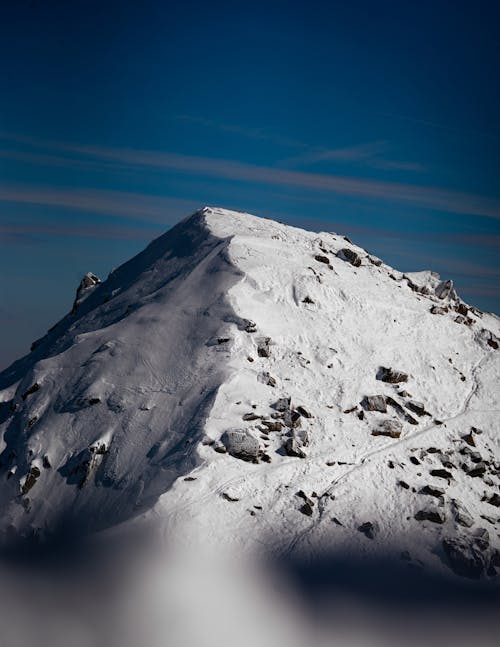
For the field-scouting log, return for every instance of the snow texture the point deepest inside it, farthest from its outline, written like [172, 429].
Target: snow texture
[237, 361]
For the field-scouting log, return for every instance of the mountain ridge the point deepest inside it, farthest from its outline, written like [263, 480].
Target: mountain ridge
[230, 377]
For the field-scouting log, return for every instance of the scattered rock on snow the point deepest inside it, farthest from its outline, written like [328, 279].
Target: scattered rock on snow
[494, 500]
[266, 378]
[464, 557]
[439, 310]
[33, 389]
[417, 407]
[282, 405]
[374, 403]
[242, 444]
[350, 256]
[263, 349]
[369, 529]
[292, 448]
[322, 259]
[30, 479]
[391, 428]
[272, 425]
[461, 514]
[303, 412]
[391, 376]
[445, 290]
[430, 514]
[292, 419]
[441, 474]
[433, 491]
[251, 416]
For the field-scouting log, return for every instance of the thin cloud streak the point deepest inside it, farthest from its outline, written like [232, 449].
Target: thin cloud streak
[430, 197]
[135, 206]
[32, 232]
[423, 196]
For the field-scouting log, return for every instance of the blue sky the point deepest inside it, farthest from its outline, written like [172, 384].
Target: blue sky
[375, 119]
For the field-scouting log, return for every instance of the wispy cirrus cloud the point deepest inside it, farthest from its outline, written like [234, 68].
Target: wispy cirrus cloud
[436, 198]
[121, 204]
[368, 154]
[32, 232]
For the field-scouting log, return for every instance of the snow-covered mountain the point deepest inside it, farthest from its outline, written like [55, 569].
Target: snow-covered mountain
[253, 384]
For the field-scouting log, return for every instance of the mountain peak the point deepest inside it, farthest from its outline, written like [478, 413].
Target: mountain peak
[239, 364]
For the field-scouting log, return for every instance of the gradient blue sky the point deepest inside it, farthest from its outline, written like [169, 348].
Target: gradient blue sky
[379, 120]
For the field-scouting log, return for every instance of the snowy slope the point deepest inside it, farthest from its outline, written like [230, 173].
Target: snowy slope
[164, 394]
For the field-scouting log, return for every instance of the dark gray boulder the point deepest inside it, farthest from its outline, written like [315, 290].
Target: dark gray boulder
[241, 444]
[391, 428]
[292, 448]
[430, 514]
[464, 557]
[349, 256]
[374, 403]
[391, 376]
[369, 529]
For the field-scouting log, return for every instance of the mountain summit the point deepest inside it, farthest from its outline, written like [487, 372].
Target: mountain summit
[253, 383]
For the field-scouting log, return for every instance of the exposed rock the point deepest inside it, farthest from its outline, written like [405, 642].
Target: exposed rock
[430, 514]
[322, 259]
[303, 412]
[292, 419]
[439, 310]
[301, 436]
[228, 497]
[368, 529]
[307, 299]
[469, 439]
[33, 389]
[461, 514]
[417, 407]
[464, 557]
[374, 403]
[242, 444]
[30, 479]
[263, 349]
[272, 425]
[304, 497]
[477, 470]
[414, 460]
[494, 500]
[481, 538]
[292, 448]
[87, 284]
[46, 464]
[350, 256]
[391, 428]
[445, 290]
[400, 411]
[250, 327]
[390, 375]
[462, 309]
[404, 485]
[251, 416]
[441, 474]
[446, 462]
[433, 491]
[266, 378]
[306, 509]
[375, 261]
[283, 404]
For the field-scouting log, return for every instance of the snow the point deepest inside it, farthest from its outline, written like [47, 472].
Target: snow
[161, 359]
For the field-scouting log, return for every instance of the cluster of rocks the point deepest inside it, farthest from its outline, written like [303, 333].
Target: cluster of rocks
[381, 403]
[285, 420]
